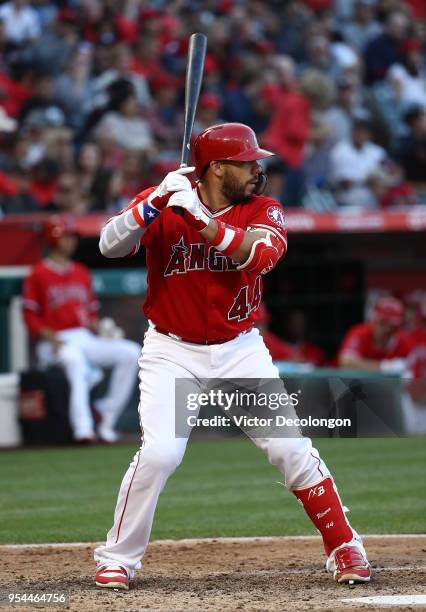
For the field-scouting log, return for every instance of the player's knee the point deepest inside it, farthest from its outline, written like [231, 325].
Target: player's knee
[161, 459]
[70, 356]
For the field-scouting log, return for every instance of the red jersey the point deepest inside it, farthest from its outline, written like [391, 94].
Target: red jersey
[278, 348]
[58, 298]
[194, 291]
[359, 342]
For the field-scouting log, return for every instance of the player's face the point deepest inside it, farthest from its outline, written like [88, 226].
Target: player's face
[239, 180]
[67, 244]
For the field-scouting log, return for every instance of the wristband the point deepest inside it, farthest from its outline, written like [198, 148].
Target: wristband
[144, 214]
[228, 238]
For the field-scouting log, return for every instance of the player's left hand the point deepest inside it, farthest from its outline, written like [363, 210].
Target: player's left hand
[174, 181]
[193, 213]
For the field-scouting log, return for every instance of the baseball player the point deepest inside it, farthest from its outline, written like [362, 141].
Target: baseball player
[379, 344]
[60, 311]
[205, 273]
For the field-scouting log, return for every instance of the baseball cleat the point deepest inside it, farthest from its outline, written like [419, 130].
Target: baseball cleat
[112, 577]
[351, 565]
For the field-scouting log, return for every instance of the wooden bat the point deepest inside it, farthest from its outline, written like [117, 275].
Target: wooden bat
[194, 77]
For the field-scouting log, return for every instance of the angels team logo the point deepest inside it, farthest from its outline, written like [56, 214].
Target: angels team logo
[276, 215]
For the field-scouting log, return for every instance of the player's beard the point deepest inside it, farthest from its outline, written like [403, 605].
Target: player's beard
[233, 190]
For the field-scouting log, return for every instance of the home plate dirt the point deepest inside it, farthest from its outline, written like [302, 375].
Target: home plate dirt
[229, 574]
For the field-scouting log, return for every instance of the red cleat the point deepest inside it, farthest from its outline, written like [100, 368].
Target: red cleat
[112, 577]
[351, 565]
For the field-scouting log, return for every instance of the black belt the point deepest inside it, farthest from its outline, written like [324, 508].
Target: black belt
[204, 342]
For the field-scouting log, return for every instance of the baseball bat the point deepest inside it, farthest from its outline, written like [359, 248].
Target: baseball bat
[194, 77]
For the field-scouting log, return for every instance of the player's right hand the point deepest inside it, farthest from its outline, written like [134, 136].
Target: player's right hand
[173, 181]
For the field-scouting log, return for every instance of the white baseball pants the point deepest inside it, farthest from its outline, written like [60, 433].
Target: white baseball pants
[81, 352]
[163, 360]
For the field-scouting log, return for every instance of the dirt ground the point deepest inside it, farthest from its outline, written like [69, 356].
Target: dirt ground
[236, 574]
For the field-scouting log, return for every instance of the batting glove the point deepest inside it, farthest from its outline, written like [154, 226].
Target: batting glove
[174, 181]
[191, 205]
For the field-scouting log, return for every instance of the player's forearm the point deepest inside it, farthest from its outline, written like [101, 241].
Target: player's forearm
[358, 363]
[243, 250]
[123, 233]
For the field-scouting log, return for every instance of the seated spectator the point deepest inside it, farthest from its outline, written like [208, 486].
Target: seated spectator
[407, 79]
[93, 177]
[390, 188]
[125, 126]
[44, 176]
[412, 148]
[61, 313]
[67, 197]
[385, 50]
[21, 22]
[73, 88]
[19, 199]
[43, 105]
[379, 344]
[347, 105]
[363, 27]
[351, 163]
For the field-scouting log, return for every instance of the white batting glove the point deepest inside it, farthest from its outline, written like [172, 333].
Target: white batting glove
[173, 181]
[190, 203]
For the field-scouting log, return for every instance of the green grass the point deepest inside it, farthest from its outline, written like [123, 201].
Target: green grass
[223, 488]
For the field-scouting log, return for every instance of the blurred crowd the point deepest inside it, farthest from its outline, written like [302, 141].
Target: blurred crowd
[92, 91]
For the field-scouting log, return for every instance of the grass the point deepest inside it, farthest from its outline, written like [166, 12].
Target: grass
[223, 488]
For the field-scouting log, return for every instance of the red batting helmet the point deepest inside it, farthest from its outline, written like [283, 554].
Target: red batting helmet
[388, 310]
[58, 226]
[226, 141]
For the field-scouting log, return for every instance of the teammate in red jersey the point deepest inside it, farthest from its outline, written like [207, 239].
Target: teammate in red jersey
[205, 271]
[61, 312]
[379, 344]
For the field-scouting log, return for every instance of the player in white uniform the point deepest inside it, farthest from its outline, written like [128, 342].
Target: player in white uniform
[204, 285]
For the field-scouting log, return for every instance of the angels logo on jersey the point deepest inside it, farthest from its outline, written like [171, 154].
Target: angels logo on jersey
[276, 215]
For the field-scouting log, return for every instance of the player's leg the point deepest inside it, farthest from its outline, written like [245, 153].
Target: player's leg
[160, 454]
[305, 474]
[75, 366]
[122, 356]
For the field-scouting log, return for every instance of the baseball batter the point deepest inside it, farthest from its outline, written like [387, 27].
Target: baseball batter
[205, 271]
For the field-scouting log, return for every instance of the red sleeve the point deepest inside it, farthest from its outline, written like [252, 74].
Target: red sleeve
[93, 305]
[352, 343]
[31, 304]
[269, 216]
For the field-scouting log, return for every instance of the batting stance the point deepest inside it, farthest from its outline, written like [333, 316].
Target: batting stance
[204, 285]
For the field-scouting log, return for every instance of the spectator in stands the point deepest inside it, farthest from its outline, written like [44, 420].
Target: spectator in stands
[378, 344]
[61, 313]
[125, 126]
[363, 27]
[412, 148]
[67, 197]
[20, 21]
[408, 79]
[390, 188]
[74, 89]
[351, 163]
[386, 49]
[93, 178]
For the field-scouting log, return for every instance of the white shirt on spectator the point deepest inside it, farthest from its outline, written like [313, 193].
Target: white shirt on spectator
[412, 88]
[127, 132]
[352, 164]
[21, 24]
[348, 163]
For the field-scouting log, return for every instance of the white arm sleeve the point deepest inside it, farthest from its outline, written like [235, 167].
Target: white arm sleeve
[120, 235]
